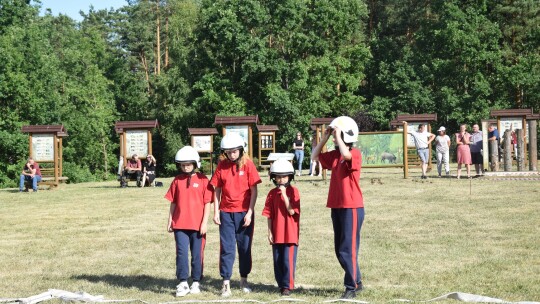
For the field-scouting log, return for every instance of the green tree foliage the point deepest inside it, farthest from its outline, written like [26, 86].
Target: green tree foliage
[288, 61]
[185, 61]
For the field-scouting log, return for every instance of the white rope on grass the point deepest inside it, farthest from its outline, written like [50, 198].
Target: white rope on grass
[67, 296]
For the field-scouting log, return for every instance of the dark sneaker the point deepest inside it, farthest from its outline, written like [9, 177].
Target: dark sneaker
[349, 294]
[359, 287]
[285, 292]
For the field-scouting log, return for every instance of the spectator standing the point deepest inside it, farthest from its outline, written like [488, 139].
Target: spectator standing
[443, 151]
[493, 135]
[422, 139]
[298, 146]
[476, 149]
[463, 150]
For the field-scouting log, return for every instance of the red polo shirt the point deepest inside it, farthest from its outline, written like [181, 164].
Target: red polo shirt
[285, 227]
[189, 201]
[344, 189]
[235, 186]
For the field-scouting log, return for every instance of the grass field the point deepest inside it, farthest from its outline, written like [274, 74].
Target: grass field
[420, 239]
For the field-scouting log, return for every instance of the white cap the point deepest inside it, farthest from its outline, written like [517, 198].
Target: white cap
[442, 129]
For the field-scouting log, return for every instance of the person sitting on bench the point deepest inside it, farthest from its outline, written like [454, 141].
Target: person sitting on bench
[149, 171]
[133, 170]
[31, 173]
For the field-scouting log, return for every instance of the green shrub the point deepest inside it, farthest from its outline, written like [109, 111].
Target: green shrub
[77, 173]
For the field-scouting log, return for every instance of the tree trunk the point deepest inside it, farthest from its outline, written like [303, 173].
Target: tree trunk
[144, 63]
[158, 42]
[166, 42]
[106, 163]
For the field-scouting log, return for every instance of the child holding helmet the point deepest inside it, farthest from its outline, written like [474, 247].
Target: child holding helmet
[190, 194]
[344, 197]
[235, 192]
[282, 208]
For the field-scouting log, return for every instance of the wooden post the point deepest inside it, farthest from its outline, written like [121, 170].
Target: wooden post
[55, 163]
[323, 129]
[250, 140]
[494, 155]
[533, 149]
[30, 150]
[430, 165]
[507, 153]
[520, 150]
[150, 142]
[61, 153]
[405, 152]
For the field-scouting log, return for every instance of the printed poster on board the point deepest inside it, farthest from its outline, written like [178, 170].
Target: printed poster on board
[137, 143]
[43, 147]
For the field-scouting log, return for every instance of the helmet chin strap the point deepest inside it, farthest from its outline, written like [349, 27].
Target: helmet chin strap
[189, 174]
[236, 161]
[287, 184]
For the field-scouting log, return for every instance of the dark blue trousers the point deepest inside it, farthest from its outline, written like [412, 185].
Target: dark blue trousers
[186, 239]
[347, 223]
[284, 264]
[232, 233]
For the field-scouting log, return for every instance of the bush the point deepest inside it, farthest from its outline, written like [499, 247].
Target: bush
[77, 174]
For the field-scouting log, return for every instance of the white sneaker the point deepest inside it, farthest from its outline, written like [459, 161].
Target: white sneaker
[226, 290]
[245, 286]
[182, 289]
[195, 288]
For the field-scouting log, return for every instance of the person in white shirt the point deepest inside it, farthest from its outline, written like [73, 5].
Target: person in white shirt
[443, 151]
[422, 139]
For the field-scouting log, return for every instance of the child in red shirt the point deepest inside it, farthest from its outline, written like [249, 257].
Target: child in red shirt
[282, 208]
[235, 182]
[344, 197]
[190, 194]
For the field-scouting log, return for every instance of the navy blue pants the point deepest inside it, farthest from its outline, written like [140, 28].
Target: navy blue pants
[284, 264]
[347, 223]
[186, 239]
[232, 233]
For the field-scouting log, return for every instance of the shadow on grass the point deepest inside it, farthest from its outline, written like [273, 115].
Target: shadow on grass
[211, 285]
[141, 282]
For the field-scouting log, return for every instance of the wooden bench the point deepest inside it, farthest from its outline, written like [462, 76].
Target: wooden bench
[47, 179]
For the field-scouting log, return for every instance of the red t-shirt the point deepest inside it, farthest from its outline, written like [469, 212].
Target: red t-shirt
[285, 227]
[134, 164]
[34, 166]
[190, 202]
[235, 186]
[344, 189]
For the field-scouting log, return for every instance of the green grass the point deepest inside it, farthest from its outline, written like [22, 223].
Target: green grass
[420, 239]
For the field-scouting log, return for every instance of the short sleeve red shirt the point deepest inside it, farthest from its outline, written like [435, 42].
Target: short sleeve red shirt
[344, 189]
[189, 201]
[131, 164]
[285, 227]
[235, 186]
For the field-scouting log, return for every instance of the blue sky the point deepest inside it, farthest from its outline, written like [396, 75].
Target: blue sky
[72, 7]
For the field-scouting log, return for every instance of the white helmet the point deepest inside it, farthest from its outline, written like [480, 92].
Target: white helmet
[348, 127]
[188, 154]
[232, 141]
[281, 167]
